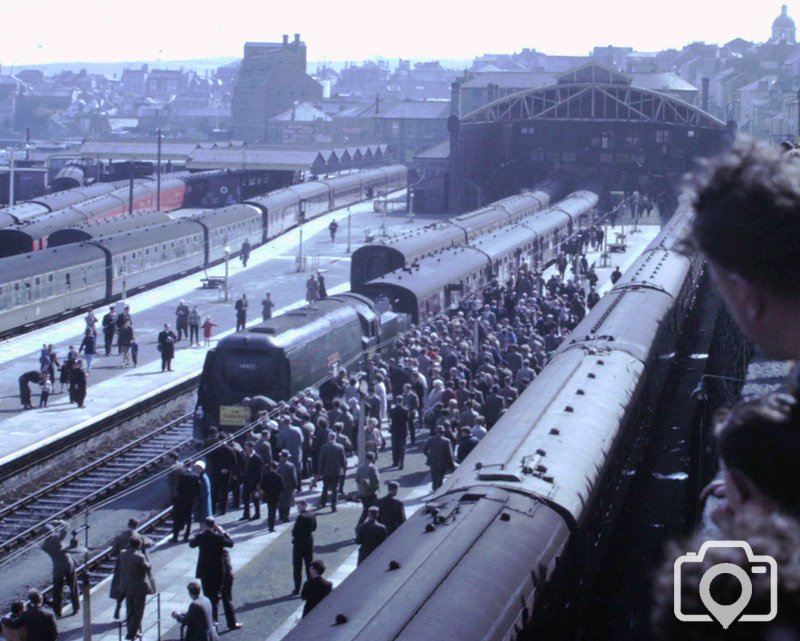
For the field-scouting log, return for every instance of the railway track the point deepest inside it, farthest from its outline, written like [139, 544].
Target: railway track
[26, 518]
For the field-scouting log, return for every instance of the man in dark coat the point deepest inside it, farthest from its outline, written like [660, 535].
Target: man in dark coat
[122, 543]
[392, 512]
[137, 583]
[466, 443]
[32, 376]
[245, 253]
[398, 428]
[63, 566]
[77, 384]
[267, 305]
[182, 320]
[316, 588]
[166, 345]
[251, 486]
[198, 618]
[370, 534]
[302, 542]
[272, 486]
[38, 622]
[109, 327]
[212, 569]
[185, 494]
[332, 465]
[439, 453]
[221, 463]
[332, 229]
[241, 312]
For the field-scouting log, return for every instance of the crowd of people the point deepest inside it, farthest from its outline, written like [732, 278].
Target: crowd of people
[450, 380]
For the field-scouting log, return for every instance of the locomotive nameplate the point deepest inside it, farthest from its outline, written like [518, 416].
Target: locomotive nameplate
[234, 415]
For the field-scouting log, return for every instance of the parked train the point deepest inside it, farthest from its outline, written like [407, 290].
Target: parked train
[286, 354]
[379, 258]
[203, 189]
[437, 282]
[508, 546]
[38, 286]
[25, 212]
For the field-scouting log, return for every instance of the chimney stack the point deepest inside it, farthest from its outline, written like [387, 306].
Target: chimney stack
[297, 38]
[285, 39]
[704, 95]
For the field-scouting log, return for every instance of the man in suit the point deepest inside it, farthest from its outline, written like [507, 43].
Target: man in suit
[316, 588]
[398, 428]
[187, 489]
[109, 327]
[370, 534]
[302, 542]
[253, 469]
[63, 566]
[38, 623]
[439, 453]
[241, 312]
[221, 463]
[198, 618]
[212, 569]
[121, 543]
[368, 482]
[392, 512]
[332, 465]
[137, 583]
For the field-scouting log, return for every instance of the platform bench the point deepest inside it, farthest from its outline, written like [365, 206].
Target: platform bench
[213, 282]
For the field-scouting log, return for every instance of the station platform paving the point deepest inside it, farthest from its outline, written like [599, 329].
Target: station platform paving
[262, 561]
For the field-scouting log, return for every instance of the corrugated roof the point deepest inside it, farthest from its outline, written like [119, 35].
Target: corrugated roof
[250, 158]
[138, 150]
[417, 110]
[437, 152]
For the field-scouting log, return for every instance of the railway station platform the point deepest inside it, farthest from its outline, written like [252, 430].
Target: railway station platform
[111, 388]
[271, 268]
[262, 561]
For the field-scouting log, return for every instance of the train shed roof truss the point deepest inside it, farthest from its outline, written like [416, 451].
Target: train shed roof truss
[583, 96]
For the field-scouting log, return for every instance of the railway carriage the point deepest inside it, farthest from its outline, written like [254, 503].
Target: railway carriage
[154, 254]
[230, 227]
[87, 231]
[376, 259]
[39, 286]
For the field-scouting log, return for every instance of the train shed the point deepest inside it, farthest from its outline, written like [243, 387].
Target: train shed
[591, 122]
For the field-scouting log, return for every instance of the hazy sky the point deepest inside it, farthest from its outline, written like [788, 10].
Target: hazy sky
[39, 31]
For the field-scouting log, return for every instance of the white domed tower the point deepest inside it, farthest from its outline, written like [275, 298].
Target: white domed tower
[783, 29]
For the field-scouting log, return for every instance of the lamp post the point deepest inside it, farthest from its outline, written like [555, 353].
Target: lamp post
[227, 261]
[300, 252]
[158, 172]
[348, 230]
[11, 178]
[363, 388]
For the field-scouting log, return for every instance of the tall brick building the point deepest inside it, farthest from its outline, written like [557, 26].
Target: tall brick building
[271, 80]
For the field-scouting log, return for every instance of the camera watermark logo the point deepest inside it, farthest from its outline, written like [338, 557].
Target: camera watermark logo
[727, 614]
